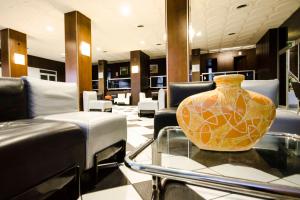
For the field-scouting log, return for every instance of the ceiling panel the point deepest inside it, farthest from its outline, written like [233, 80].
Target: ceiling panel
[114, 35]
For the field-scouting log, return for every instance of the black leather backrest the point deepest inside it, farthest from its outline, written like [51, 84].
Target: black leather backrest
[296, 88]
[13, 99]
[180, 91]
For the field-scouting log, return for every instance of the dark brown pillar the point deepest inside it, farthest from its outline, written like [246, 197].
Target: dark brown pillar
[177, 23]
[102, 76]
[78, 51]
[13, 53]
[195, 65]
[139, 70]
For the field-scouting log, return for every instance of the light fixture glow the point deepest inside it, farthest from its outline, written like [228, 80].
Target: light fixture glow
[191, 33]
[199, 34]
[125, 10]
[19, 59]
[49, 28]
[240, 53]
[135, 69]
[165, 37]
[85, 49]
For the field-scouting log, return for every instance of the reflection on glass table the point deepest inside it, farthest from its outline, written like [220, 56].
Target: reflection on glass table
[271, 168]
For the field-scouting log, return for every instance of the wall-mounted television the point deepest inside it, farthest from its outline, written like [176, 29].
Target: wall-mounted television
[158, 81]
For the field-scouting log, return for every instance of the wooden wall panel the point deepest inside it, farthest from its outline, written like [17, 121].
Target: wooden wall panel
[266, 55]
[102, 68]
[13, 42]
[225, 60]
[177, 22]
[196, 60]
[78, 66]
[139, 81]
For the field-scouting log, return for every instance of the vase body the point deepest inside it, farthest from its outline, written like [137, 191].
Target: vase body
[228, 118]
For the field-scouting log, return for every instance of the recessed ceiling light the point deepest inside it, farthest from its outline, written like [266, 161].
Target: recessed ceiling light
[125, 10]
[199, 34]
[140, 26]
[231, 34]
[241, 6]
[158, 44]
[142, 42]
[49, 28]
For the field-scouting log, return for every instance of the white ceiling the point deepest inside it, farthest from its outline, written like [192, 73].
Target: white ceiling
[215, 19]
[118, 34]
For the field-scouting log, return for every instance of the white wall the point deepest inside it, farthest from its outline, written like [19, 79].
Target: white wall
[34, 72]
[0, 71]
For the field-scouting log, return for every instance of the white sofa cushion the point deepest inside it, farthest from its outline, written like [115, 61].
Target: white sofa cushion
[101, 129]
[48, 97]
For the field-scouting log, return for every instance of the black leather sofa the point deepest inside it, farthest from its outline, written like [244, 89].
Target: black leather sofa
[178, 92]
[38, 157]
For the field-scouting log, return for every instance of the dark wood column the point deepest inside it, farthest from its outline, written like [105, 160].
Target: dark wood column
[102, 76]
[195, 64]
[177, 23]
[13, 53]
[78, 51]
[139, 70]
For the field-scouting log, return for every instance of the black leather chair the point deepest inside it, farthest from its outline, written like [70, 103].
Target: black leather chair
[38, 157]
[296, 88]
[178, 92]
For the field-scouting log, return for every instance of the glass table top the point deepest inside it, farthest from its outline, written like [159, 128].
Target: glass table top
[272, 166]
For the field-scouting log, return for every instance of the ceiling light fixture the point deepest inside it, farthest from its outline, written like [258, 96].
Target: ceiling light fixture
[231, 34]
[140, 26]
[241, 6]
[158, 44]
[125, 10]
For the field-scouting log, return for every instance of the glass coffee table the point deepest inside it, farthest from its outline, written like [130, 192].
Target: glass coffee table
[270, 170]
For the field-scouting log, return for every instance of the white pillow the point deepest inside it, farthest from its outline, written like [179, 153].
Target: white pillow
[49, 97]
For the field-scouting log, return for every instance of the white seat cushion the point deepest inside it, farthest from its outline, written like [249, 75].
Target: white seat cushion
[148, 105]
[100, 104]
[101, 129]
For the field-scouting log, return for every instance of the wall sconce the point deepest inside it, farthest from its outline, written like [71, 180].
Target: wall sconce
[85, 49]
[135, 69]
[240, 53]
[19, 59]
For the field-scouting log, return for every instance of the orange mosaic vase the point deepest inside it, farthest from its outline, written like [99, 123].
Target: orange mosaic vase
[228, 118]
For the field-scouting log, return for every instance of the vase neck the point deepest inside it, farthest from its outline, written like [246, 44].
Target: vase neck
[229, 81]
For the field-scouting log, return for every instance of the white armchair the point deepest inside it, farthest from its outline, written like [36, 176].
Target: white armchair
[123, 99]
[90, 102]
[146, 105]
[143, 97]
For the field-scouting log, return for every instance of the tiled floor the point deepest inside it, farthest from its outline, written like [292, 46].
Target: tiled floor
[125, 184]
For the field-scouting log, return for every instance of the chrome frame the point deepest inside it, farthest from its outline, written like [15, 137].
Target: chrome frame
[250, 188]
